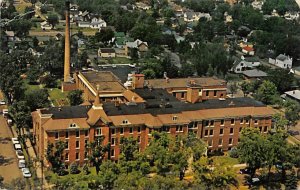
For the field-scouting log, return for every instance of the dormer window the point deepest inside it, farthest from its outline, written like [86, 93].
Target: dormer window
[174, 118]
[73, 125]
[125, 122]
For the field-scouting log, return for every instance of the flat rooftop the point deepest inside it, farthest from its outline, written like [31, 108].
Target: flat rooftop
[158, 101]
[67, 112]
[121, 71]
[106, 80]
[183, 82]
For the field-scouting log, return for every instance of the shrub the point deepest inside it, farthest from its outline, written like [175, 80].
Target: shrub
[74, 168]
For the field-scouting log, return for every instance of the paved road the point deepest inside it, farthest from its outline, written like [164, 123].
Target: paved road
[8, 166]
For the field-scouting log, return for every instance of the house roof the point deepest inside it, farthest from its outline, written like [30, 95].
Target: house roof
[254, 73]
[10, 33]
[248, 49]
[119, 34]
[62, 124]
[66, 112]
[107, 50]
[282, 57]
[251, 59]
[135, 44]
[294, 94]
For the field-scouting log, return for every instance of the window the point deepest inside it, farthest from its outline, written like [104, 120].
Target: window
[231, 130]
[112, 152]
[86, 133]
[67, 145]
[113, 131]
[265, 128]
[206, 133]
[215, 93]
[220, 142]
[182, 94]
[67, 156]
[232, 122]
[139, 139]
[85, 155]
[260, 128]
[113, 141]
[210, 142]
[67, 134]
[77, 134]
[77, 144]
[247, 121]
[240, 129]
[139, 129]
[206, 123]
[212, 122]
[255, 121]
[131, 130]
[242, 120]
[211, 132]
[125, 121]
[179, 128]
[121, 131]
[166, 129]
[222, 121]
[77, 156]
[98, 131]
[207, 93]
[221, 131]
[230, 141]
[174, 118]
[56, 135]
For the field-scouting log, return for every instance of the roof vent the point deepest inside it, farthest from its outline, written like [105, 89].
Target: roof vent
[231, 103]
[222, 99]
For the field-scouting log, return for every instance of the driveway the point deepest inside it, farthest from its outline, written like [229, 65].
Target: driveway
[8, 160]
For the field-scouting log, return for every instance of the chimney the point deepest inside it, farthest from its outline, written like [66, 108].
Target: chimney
[97, 102]
[67, 44]
[138, 81]
[294, 92]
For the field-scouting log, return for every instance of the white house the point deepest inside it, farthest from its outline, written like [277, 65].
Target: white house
[291, 15]
[46, 26]
[245, 63]
[97, 23]
[191, 16]
[282, 61]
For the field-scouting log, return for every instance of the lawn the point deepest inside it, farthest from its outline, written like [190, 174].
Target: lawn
[225, 160]
[58, 97]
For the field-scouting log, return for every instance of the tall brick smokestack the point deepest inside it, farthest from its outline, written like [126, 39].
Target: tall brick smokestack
[67, 44]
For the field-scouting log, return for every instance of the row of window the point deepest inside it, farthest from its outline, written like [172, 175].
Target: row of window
[232, 122]
[113, 140]
[231, 131]
[220, 143]
[57, 134]
[77, 156]
[182, 94]
[77, 144]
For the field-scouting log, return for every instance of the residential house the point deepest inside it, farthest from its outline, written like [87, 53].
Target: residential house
[120, 40]
[291, 15]
[245, 63]
[293, 94]
[106, 52]
[257, 4]
[282, 61]
[191, 16]
[248, 50]
[254, 74]
[10, 36]
[97, 23]
[218, 122]
[141, 46]
[46, 26]
[142, 6]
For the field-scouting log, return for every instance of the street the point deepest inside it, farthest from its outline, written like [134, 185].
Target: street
[8, 160]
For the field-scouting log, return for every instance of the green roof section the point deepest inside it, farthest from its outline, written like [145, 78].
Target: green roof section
[119, 34]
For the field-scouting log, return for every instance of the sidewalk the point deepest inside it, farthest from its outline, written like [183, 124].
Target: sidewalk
[33, 158]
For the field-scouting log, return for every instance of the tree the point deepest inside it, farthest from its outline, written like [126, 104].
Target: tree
[21, 115]
[134, 54]
[74, 168]
[53, 19]
[233, 87]
[82, 59]
[85, 169]
[245, 87]
[149, 73]
[54, 154]
[75, 97]
[266, 92]
[97, 152]
[252, 149]
[282, 79]
[17, 184]
[108, 174]
[104, 35]
[292, 109]
[33, 74]
[1, 180]
[37, 99]
[291, 181]
[21, 27]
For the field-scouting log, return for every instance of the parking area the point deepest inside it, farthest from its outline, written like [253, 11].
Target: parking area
[8, 160]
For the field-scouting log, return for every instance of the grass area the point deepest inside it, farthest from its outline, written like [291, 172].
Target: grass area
[20, 7]
[121, 60]
[225, 160]
[293, 140]
[58, 97]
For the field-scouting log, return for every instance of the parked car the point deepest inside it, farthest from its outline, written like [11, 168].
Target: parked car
[5, 112]
[2, 102]
[22, 164]
[20, 154]
[18, 147]
[15, 141]
[253, 181]
[26, 172]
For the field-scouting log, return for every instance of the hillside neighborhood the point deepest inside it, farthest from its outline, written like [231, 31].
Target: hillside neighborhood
[149, 94]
